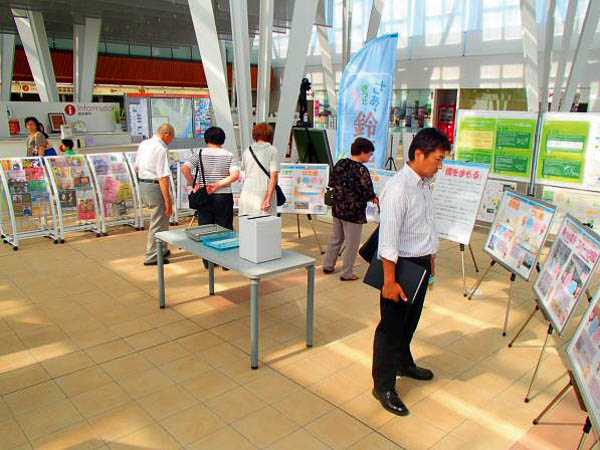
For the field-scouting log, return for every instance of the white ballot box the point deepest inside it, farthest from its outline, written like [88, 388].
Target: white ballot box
[260, 237]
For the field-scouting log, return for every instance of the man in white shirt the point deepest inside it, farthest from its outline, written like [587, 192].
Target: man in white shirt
[407, 231]
[152, 165]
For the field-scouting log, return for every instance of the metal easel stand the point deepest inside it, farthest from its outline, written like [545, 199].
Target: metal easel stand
[555, 401]
[539, 362]
[587, 428]
[389, 162]
[462, 263]
[513, 279]
[312, 225]
[536, 309]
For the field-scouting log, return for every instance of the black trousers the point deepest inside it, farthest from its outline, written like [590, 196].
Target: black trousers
[219, 210]
[391, 346]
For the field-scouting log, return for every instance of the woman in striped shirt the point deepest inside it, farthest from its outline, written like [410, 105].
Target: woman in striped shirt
[221, 168]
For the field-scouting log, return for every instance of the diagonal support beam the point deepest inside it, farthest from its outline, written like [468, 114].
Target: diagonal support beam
[303, 18]
[205, 28]
[7, 59]
[241, 54]
[327, 58]
[564, 53]
[85, 51]
[547, 56]
[374, 20]
[530, 53]
[32, 32]
[265, 27]
[580, 58]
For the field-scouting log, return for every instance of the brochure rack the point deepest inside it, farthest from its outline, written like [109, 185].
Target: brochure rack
[114, 187]
[76, 200]
[179, 184]
[27, 207]
[140, 211]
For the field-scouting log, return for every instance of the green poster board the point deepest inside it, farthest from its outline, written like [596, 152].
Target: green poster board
[562, 155]
[502, 139]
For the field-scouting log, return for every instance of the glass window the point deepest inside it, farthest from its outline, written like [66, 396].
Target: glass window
[117, 49]
[161, 52]
[140, 50]
[182, 53]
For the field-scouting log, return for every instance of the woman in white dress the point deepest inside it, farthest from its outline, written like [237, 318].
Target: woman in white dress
[258, 192]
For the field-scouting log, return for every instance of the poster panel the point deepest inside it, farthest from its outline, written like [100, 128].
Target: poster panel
[492, 194]
[502, 139]
[583, 356]
[114, 183]
[456, 195]
[304, 188]
[569, 150]
[564, 276]
[584, 206]
[379, 177]
[518, 233]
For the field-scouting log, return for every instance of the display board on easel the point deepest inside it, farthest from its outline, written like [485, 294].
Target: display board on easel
[519, 232]
[564, 276]
[304, 188]
[583, 205]
[313, 146]
[179, 185]
[502, 139]
[379, 178]
[456, 196]
[492, 194]
[27, 207]
[583, 356]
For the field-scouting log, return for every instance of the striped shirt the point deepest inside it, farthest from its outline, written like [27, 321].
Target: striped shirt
[407, 226]
[218, 163]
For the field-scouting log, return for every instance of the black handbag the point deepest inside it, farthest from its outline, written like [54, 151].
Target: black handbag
[369, 249]
[279, 193]
[199, 199]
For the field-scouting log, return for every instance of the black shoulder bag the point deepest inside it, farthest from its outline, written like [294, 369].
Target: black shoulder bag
[280, 195]
[199, 199]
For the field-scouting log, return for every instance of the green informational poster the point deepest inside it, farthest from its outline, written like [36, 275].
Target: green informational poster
[562, 153]
[502, 139]
[475, 141]
[514, 147]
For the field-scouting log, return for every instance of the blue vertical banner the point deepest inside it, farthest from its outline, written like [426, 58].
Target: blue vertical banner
[365, 98]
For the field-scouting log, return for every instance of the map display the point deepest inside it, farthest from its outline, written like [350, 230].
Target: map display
[519, 232]
[571, 263]
[176, 111]
[584, 206]
[492, 194]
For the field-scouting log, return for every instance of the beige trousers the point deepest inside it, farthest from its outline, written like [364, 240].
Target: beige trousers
[350, 233]
[152, 199]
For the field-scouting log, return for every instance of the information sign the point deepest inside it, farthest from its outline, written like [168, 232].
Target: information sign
[304, 188]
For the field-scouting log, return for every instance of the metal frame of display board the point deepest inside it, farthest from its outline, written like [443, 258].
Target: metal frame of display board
[130, 159]
[121, 220]
[176, 185]
[15, 235]
[494, 260]
[87, 225]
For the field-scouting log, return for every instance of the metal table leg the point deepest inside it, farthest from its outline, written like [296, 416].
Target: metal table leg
[254, 322]
[310, 305]
[161, 273]
[211, 278]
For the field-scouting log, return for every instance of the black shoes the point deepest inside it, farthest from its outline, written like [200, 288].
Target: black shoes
[167, 254]
[327, 271]
[154, 263]
[416, 373]
[391, 402]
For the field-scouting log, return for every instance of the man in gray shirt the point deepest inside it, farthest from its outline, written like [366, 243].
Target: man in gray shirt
[407, 231]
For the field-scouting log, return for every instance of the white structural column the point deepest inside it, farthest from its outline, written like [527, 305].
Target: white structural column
[241, 54]
[85, 56]
[326, 58]
[375, 20]
[547, 56]
[530, 53]
[564, 53]
[32, 32]
[265, 47]
[303, 18]
[580, 58]
[78, 38]
[7, 59]
[205, 28]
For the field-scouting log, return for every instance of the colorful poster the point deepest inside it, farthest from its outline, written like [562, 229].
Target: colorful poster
[584, 206]
[583, 355]
[379, 177]
[519, 232]
[502, 139]
[86, 205]
[456, 195]
[492, 194]
[67, 198]
[365, 97]
[201, 116]
[304, 188]
[569, 266]
[569, 150]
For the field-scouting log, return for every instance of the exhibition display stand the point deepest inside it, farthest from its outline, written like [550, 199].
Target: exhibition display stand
[76, 199]
[456, 196]
[179, 184]
[27, 206]
[516, 239]
[140, 210]
[115, 190]
[255, 272]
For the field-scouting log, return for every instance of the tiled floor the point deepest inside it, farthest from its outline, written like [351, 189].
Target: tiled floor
[87, 360]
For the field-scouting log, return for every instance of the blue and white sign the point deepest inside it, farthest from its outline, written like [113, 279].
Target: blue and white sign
[365, 98]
